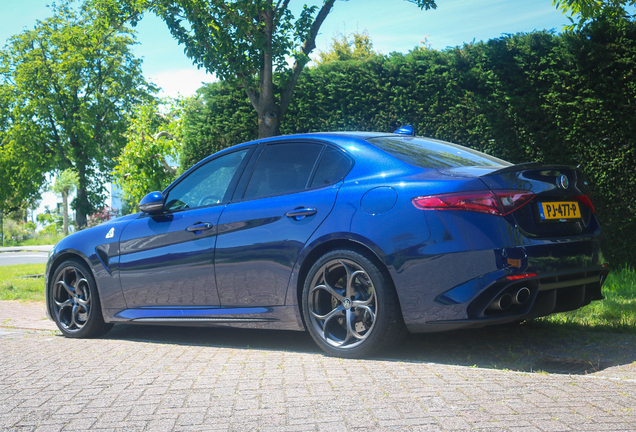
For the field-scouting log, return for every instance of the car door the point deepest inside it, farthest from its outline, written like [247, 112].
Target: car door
[168, 259]
[282, 201]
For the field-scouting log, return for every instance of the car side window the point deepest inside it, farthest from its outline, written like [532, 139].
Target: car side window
[334, 165]
[282, 168]
[206, 185]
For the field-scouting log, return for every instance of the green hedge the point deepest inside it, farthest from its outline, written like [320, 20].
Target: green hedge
[567, 99]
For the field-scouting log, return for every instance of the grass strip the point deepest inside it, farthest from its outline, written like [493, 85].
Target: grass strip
[14, 286]
[616, 313]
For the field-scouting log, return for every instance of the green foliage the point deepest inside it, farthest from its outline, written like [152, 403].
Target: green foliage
[66, 182]
[155, 135]
[342, 48]
[586, 11]
[14, 286]
[65, 87]
[22, 177]
[15, 232]
[566, 99]
[20, 233]
[50, 220]
[220, 116]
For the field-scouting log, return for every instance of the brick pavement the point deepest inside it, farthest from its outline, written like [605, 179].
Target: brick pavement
[50, 383]
[25, 316]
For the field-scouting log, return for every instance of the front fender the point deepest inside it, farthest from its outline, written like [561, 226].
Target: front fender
[98, 248]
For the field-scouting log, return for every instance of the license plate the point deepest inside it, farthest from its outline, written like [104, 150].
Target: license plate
[565, 210]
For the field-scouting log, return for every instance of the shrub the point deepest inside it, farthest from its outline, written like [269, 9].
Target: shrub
[100, 216]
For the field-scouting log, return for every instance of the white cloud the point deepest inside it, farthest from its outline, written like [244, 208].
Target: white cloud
[184, 82]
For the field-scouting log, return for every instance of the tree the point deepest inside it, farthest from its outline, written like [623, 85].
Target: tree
[246, 42]
[342, 48]
[67, 85]
[65, 184]
[154, 138]
[585, 11]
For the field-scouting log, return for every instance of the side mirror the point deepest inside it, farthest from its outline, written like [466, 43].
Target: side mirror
[152, 203]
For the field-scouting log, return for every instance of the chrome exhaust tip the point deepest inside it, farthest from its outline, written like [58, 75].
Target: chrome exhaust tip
[501, 303]
[522, 296]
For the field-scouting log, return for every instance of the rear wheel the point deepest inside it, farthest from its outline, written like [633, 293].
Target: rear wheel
[74, 301]
[350, 306]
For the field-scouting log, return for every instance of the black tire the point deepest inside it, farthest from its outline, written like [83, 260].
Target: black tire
[74, 301]
[370, 305]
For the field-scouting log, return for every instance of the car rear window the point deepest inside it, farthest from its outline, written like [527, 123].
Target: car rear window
[333, 166]
[428, 153]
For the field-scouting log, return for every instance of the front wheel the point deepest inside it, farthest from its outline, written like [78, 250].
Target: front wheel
[350, 306]
[74, 302]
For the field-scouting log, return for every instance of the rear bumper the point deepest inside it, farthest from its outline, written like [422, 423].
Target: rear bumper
[463, 289]
[559, 292]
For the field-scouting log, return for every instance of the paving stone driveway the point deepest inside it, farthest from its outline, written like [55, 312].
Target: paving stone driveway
[154, 379]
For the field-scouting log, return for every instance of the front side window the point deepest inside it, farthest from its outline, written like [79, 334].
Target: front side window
[206, 185]
[282, 168]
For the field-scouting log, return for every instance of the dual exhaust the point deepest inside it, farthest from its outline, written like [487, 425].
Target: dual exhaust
[506, 300]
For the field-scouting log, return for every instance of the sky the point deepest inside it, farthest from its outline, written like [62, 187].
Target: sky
[393, 25]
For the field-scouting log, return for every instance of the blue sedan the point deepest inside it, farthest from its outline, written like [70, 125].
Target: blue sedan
[356, 237]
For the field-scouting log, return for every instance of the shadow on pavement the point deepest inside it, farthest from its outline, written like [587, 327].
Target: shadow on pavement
[533, 346]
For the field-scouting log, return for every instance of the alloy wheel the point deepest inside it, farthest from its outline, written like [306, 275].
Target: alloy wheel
[342, 303]
[71, 299]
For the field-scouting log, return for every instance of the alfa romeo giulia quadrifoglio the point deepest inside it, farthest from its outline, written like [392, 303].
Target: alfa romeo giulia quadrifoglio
[355, 237]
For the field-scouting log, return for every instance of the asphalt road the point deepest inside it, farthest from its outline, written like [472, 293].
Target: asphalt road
[10, 258]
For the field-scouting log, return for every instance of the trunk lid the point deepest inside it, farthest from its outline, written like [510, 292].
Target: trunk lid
[561, 205]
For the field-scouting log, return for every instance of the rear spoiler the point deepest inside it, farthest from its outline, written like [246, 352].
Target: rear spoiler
[527, 165]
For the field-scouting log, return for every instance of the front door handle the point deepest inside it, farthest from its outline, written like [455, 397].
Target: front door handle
[199, 226]
[301, 212]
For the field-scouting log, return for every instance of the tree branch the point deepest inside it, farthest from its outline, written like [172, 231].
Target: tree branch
[285, 4]
[308, 47]
[252, 95]
[170, 170]
[163, 134]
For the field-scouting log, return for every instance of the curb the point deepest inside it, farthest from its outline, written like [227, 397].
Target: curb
[41, 248]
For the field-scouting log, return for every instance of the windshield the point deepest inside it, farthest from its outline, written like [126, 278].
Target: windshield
[429, 153]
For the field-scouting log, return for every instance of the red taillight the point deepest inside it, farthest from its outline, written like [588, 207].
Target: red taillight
[499, 202]
[586, 200]
[521, 276]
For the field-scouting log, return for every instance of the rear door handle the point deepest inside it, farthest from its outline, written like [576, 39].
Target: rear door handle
[199, 226]
[301, 212]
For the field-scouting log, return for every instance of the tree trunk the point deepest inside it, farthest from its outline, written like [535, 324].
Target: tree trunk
[82, 206]
[268, 110]
[82, 203]
[268, 121]
[65, 213]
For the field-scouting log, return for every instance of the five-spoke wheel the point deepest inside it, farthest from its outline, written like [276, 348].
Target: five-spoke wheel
[349, 305]
[72, 299]
[74, 302]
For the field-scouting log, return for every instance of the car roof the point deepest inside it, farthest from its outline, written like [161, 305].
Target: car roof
[325, 135]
